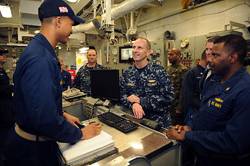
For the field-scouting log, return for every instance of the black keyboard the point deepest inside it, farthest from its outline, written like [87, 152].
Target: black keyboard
[117, 122]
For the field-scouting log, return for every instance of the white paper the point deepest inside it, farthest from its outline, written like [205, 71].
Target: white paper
[86, 148]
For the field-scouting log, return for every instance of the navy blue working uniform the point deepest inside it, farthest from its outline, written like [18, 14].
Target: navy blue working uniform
[38, 97]
[220, 131]
[6, 105]
[190, 92]
[207, 75]
[66, 80]
[6, 110]
[190, 104]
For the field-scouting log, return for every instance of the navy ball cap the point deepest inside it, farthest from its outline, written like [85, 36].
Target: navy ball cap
[52, 8]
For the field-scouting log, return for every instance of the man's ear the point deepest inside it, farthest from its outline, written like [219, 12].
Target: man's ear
[234, 58]
[58, 21]
[150, 52]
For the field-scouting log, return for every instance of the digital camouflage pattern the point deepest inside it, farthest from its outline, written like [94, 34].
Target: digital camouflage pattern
[176, 73]
[152, 84]
[82, 80]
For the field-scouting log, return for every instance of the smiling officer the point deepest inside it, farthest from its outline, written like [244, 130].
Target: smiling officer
[146, 87]
[82, 80]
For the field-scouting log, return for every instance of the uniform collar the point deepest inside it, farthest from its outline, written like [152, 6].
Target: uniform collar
[228, 84]
[218, 88]
[140, 69]
[45, 43]
[199, 66]
[175, 65]
[96, 65]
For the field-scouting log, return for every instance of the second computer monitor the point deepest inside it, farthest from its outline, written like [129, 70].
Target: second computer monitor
[105, 84]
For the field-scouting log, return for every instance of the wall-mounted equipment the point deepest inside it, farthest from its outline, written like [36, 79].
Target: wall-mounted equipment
[230, 28]
[184, 43]
[169, 35]
[125, 54]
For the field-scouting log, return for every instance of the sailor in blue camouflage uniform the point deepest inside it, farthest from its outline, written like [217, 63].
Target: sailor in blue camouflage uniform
[40, 121]
[82, 80]
[65, 77]
[146, 87]
[220, 132]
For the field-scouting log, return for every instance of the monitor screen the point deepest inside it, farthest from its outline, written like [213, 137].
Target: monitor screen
[105, 84]
[125, 54]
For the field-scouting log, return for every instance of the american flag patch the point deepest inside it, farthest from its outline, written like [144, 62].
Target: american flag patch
[63, 9]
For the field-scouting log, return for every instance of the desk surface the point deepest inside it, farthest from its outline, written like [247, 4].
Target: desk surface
[140, 142]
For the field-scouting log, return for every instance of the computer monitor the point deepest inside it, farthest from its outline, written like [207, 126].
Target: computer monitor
[125, 54]
[105, 84]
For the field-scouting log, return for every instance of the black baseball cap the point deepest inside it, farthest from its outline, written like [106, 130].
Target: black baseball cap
[52, 8]
[3, 51]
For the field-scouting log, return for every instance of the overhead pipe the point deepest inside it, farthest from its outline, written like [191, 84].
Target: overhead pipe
[125, 7]
[108, 9]
[131, 19]
[94, 24]
[95, 7]
[120, 10]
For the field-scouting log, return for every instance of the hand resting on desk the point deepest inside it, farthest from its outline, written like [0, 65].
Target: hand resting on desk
[137, 111]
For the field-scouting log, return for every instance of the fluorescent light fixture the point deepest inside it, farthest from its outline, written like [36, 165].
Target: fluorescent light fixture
[5, 11]
[72, 1]
[83, 50]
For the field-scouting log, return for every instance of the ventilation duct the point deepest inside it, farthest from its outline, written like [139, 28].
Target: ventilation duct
[90, 26]
[116, 12]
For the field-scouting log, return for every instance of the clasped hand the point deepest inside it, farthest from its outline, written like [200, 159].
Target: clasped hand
[177, 132]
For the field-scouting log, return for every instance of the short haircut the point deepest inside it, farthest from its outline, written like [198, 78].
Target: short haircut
[175, 51]
[50, 19]
[47, 20]
[234, 44]
[92, 48]
[3, 52]
[147, 41]
[212, 39]
[203, 55]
